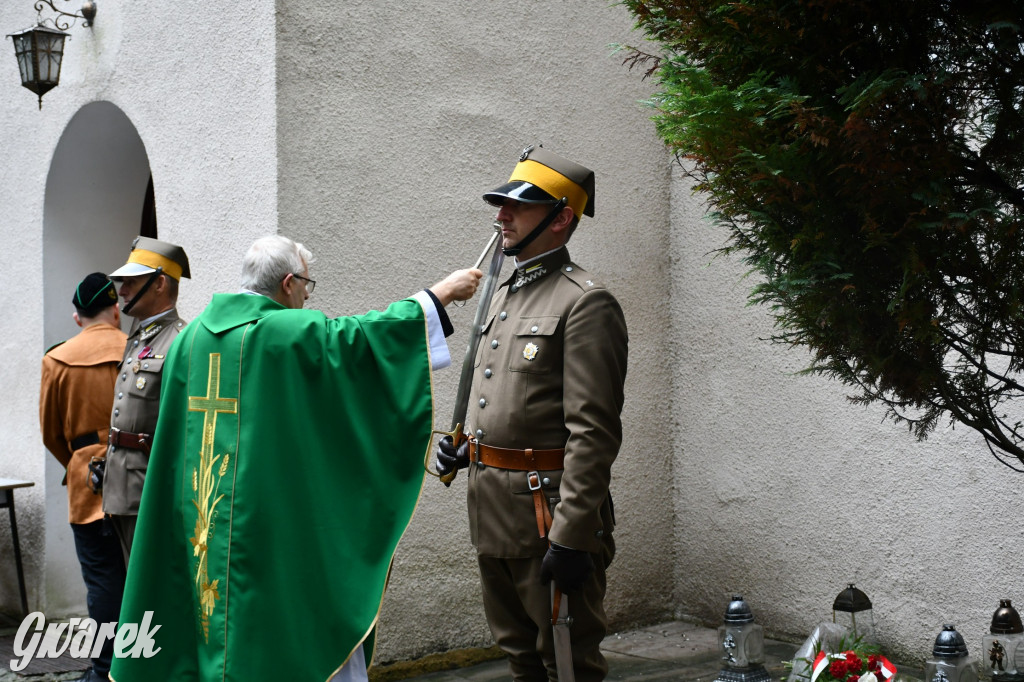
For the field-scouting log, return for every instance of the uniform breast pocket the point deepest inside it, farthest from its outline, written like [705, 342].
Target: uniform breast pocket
[145, 383]
[536, 350]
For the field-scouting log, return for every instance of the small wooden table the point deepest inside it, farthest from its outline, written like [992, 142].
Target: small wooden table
[7, 486]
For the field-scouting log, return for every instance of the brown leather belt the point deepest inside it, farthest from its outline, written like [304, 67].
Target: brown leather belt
[127, 439]
[529, 460]
[516, 460]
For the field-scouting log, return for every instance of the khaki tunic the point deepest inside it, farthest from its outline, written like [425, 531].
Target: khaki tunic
[136, 404]
[549, 374]
[75, 400]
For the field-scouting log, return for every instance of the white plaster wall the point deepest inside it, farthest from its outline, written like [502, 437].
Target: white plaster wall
[389, 121]
[393, 120]
[786, 491]
[196, 79]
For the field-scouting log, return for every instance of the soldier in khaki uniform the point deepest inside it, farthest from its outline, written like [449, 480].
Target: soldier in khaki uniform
[74, 410]
[149, 287]
[544, 426]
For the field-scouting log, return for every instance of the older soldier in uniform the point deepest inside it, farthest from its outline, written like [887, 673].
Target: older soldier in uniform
[149, 287]
[74, 412]
[544, 426]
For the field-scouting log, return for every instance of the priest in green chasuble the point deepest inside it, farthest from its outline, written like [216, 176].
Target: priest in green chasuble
[285, 467]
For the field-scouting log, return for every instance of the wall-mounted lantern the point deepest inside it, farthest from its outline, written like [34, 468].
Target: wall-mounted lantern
[40, 49]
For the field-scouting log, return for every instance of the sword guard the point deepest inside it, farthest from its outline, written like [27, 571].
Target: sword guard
[458, 438]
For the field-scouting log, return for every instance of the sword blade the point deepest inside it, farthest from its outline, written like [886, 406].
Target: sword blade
[485, 293]
[563, 644]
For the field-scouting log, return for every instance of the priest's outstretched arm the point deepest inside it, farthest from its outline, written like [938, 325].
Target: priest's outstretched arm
[458, 286]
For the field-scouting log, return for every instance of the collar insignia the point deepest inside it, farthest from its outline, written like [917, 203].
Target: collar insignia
[529, 274]
[151, 331]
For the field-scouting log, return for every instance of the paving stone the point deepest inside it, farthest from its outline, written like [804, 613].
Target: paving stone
[668, 651]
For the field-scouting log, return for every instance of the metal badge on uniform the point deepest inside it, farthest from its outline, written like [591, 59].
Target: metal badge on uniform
[140, 383]
[136, 366]
[530, 352]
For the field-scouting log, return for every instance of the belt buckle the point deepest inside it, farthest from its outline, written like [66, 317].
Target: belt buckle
[533, 480]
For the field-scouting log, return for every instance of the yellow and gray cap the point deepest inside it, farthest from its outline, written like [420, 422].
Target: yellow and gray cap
[149, 254]
[543, 177]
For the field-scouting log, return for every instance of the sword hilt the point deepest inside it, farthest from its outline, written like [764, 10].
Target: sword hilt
[458, 438]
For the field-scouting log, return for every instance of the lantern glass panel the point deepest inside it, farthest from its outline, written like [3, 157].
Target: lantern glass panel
[23, 51]
[859, 623]
[961, 669]
[51, 50]
[1002, 656]
[743, 644]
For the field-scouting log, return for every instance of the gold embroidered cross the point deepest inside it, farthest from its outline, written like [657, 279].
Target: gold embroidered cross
[211, 404]
[205, 486]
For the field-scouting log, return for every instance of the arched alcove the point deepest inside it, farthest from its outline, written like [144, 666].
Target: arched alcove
[99, 196]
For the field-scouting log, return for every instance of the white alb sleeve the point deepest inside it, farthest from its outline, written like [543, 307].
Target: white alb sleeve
[439, 355]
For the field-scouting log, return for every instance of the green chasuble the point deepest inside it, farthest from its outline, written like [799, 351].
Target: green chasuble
[287, 462]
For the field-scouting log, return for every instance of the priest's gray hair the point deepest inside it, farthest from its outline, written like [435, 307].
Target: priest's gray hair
[269, 261]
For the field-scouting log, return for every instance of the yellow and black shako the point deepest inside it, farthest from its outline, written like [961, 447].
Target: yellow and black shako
[543, 177]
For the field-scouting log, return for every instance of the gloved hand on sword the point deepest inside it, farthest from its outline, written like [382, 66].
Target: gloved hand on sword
[448, 458]
[568, 567]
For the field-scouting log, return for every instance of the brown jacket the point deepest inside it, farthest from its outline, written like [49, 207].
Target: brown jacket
[549, 374]
[136, 405]
[75, 397]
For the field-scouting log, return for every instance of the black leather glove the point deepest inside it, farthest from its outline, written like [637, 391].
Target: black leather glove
[449, 459]
[569, 567]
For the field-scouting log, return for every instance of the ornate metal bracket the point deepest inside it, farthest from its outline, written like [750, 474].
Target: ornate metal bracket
[88, 12]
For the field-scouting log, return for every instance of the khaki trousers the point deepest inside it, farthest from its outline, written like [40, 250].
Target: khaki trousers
[518, 608]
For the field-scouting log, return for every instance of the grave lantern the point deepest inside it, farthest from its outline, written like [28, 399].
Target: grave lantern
[1002, 650]
[742, 640]
[950, 661]
[852, 610]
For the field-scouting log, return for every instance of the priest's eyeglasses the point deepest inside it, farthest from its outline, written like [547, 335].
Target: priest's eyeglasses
[310, 283]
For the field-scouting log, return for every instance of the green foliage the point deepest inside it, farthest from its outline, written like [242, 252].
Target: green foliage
[868, 159]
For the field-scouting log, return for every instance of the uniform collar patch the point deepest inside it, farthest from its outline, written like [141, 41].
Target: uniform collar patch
[530, 273]
[150, 331]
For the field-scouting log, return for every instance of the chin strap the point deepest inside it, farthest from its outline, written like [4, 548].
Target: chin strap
[541, 226]
[135, 299]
